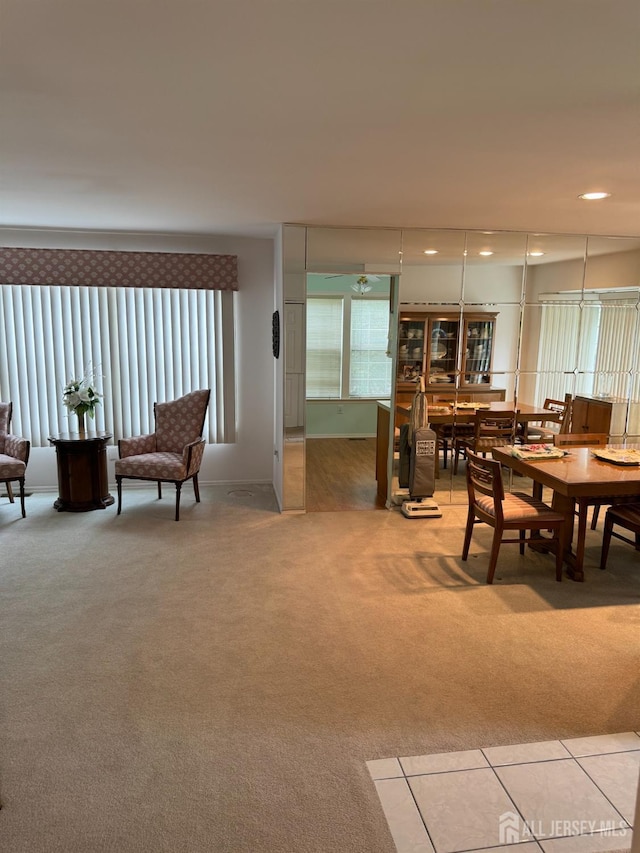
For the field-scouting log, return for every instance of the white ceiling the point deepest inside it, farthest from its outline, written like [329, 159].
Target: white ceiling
[230, 116]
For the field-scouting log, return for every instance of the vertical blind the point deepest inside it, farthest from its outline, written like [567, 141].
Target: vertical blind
[324, 347]
[618, 346]
[566, 336]
[570, 335]
[145, 345]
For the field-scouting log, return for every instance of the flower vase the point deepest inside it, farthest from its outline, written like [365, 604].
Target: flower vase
[81, 427]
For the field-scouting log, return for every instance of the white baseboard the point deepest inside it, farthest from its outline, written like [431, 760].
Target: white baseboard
[341, 435]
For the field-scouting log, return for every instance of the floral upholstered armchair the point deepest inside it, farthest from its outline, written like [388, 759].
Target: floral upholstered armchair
[14, 455]
[171, 454]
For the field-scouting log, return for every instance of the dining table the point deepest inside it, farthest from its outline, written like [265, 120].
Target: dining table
[442, 415]
[464, 413]
[576, 477]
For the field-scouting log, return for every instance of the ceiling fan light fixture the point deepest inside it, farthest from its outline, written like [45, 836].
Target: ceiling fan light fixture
[594, 196]
[361, 286]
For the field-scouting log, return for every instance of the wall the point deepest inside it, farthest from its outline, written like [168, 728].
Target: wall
[348, 419]
[278, 373]
[603, 271]
[250, 459]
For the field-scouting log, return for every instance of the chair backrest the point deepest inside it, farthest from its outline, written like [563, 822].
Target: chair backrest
[484, 476]
[565, 423]
[498, 426]
[180, 422]
[557, 407]
[5, 417]
[5, 420]
[574, 439]
[562, 411]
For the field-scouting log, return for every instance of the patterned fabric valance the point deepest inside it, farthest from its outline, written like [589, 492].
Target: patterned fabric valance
[88, 268]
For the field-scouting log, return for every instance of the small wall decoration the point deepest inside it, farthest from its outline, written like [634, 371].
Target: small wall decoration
[275, 334]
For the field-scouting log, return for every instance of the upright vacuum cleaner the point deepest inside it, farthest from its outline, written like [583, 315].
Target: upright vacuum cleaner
[423, 446]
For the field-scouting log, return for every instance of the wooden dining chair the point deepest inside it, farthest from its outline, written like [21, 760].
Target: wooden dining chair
[626, 516]
[490, 429]
[448, 432]
[488, 503]
[544, 432]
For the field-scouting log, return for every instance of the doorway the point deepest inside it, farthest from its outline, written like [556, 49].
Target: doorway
[347, 369]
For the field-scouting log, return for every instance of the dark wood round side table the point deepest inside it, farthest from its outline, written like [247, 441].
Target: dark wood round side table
[83, 483]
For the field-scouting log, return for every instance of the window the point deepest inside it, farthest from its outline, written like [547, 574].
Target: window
[598, 341]
[147, 344]
[369, 365]
[347, 340]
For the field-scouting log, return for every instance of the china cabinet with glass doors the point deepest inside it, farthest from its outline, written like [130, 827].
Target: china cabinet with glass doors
[444, 346]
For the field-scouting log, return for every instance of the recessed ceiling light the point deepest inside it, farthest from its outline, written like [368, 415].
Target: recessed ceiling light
[594, 196]
[431, 251]
[536, 254]
[486, 253]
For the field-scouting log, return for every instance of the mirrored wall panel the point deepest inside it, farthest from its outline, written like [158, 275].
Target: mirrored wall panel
[489, 320]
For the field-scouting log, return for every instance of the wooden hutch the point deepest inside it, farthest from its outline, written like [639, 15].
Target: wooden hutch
[453, 352]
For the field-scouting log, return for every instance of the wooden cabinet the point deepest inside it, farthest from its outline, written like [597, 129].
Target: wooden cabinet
[604, 415]
[442, 347]
[82, 471]
[590, 415]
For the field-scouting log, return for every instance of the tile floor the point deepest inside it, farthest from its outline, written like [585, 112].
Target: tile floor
[563, 796]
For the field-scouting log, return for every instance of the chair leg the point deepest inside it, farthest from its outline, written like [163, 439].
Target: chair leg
[196, 488]
[495, 549]
[606, 541]
[467, 535]
[21, 481]
[178, 489]
[119, 485]
[159, 490]
[522, 542]
[594, 517]
[9, 491]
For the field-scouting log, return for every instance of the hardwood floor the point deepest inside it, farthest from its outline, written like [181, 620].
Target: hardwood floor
[341, 474]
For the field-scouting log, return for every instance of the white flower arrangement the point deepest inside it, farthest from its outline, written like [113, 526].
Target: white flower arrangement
[80, 395]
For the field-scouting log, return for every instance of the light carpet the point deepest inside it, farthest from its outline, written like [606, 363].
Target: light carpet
[218, 684]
